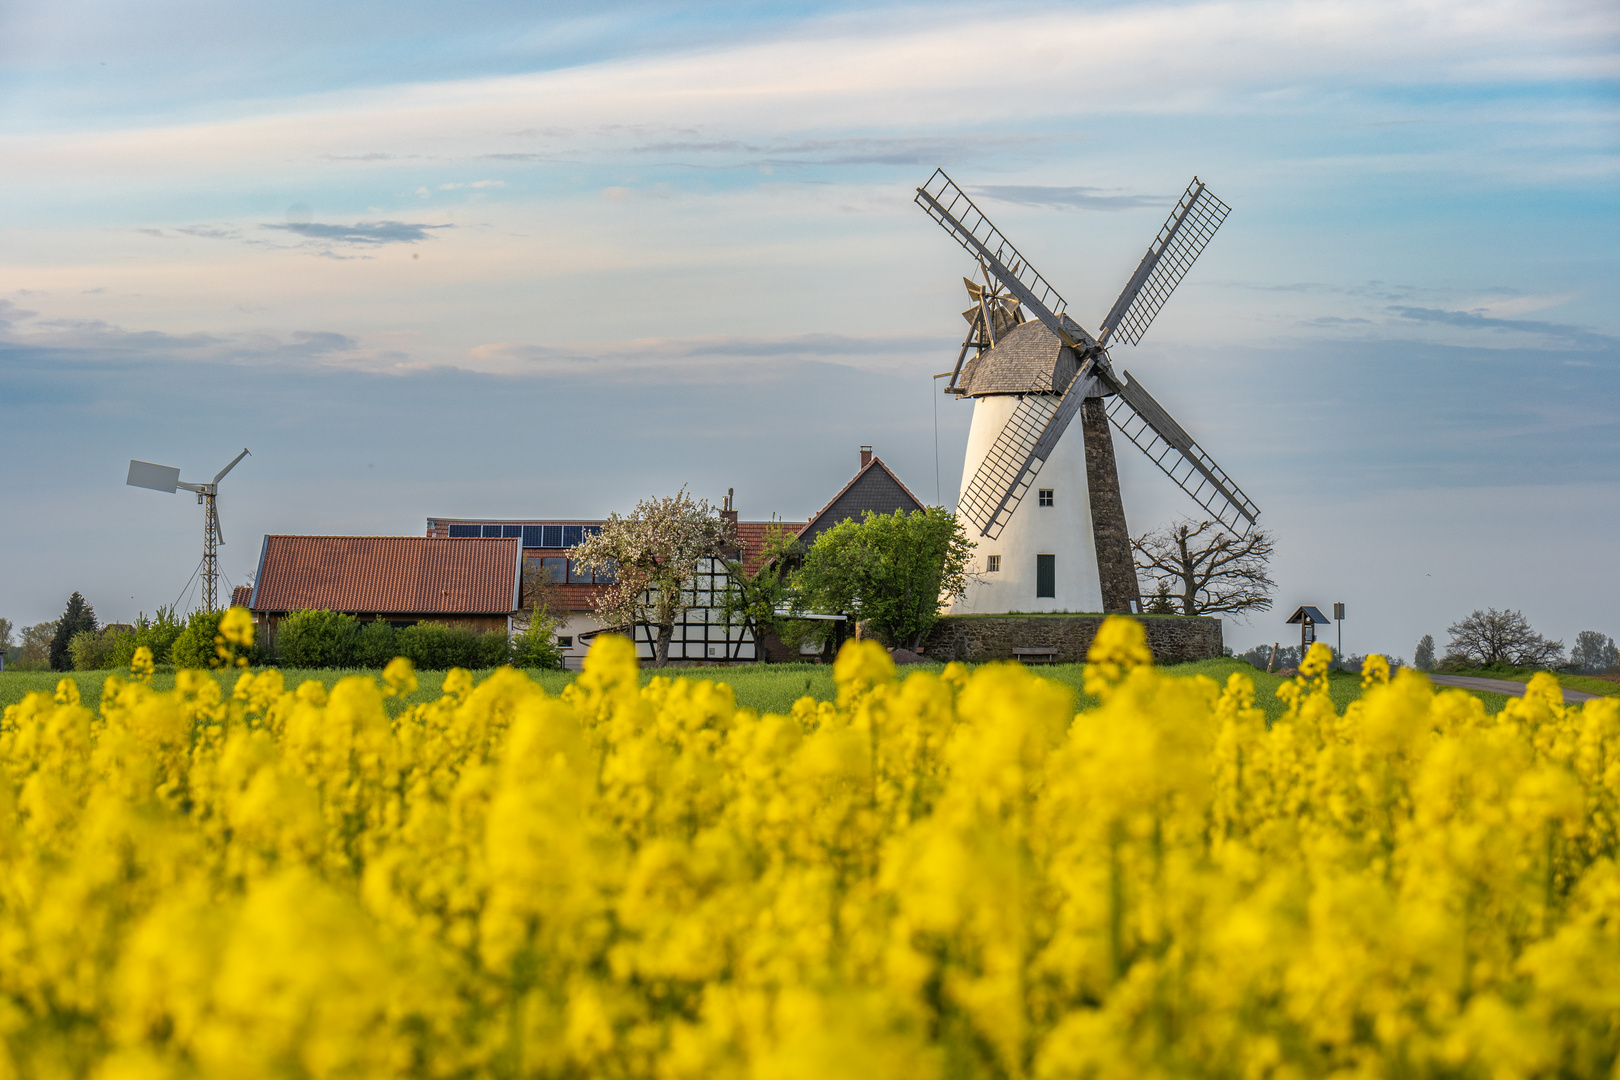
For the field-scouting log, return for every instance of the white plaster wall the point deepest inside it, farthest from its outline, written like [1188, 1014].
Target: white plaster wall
[1063, 529]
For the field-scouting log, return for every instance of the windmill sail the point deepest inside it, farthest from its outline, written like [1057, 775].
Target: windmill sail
[949, 205]
[1156, 433]
[1185, 234]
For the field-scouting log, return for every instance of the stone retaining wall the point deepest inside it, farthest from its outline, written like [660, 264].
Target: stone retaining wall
[977, 638]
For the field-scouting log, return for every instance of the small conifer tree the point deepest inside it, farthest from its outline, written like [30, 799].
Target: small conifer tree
[78, 618]
[1423, 656]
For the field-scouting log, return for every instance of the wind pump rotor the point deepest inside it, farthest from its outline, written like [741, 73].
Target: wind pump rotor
[145, 474]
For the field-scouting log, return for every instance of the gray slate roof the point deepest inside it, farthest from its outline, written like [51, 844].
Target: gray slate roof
[874, 488]
[1028, 359]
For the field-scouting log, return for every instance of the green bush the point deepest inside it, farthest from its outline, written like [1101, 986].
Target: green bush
[158, 634]
[317, 639]
[536, 647]
[194, 646]
[376, 644]
[436, 647]
[94, 650]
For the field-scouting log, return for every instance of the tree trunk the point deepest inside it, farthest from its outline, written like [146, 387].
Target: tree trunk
[666, 631]
[1189, 591]
[1116, 568]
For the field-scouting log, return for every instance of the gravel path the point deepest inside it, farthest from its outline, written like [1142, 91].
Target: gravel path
[1502, 686]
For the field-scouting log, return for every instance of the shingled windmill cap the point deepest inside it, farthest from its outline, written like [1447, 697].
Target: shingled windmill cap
[1309, 613]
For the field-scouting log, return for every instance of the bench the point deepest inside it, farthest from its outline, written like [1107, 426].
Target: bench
[1036, 656]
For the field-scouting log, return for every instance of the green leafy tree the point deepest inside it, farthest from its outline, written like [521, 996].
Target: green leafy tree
[1594, 653]
[536, 645]
[1162, 603]
[157, 633]
[33, 652]
[194, 647]
[891, 571]
[757, 599]
[654, 554]
[1423, 655]
[95, 650]
[5, 634]
[78, 618]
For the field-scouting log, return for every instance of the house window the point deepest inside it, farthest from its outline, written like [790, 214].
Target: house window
[1046, 496]
[992, 563]
[565, 641]
[1046, 576]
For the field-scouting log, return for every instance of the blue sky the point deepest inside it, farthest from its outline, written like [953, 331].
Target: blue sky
[516, 261]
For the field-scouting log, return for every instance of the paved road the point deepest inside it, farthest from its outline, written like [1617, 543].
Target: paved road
[1501, 686]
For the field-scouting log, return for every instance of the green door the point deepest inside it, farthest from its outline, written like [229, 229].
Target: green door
[1046, 576]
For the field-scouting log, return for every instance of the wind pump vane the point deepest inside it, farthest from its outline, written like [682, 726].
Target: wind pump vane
[165, 478]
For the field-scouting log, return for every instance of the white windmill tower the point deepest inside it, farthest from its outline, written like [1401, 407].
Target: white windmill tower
[1056, 551]
[166, 478]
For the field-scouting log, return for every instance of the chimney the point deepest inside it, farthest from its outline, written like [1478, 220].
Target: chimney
[729, 513]
[866, 456]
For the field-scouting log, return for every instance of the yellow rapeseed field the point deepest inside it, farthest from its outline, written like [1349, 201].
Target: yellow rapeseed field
[948, 876]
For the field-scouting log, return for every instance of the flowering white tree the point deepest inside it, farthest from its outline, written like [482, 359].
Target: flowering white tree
[655, 553]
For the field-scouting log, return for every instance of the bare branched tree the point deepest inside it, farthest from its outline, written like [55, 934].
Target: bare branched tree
[1500, 637]
[1205, 568]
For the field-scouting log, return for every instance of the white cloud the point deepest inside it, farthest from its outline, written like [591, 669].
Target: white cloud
[886, 73]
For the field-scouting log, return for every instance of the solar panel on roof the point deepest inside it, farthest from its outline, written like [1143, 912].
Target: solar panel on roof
[464, 531]
[531, 536]
[511, 532]
[492, 530]
[592, 530]
[551, 536]
[571, 535]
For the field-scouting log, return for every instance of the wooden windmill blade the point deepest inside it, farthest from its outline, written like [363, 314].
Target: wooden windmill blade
[1024, 444]
[1155, 432]
[1185, 234]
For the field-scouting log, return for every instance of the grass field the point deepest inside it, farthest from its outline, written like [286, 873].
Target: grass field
[765, 688]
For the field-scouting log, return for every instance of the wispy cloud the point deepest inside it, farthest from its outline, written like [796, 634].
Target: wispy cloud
[1068, 198]
[1468, 320]
[364, 233]
[716, 356]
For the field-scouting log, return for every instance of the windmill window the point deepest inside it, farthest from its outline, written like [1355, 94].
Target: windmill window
[1046, 496]
[1046, 576]
[992, 564]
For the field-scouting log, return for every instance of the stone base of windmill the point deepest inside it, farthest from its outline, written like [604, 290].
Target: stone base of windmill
[1064, 639]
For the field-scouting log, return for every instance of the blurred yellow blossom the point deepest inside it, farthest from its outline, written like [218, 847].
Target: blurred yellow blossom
[950, 874]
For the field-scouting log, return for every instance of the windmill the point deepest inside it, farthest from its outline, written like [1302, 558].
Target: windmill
[1029, 381]
[164, 478]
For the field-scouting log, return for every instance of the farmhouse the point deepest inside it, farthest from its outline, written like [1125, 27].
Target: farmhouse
[548, 567]
[401, 579]
[705, 635]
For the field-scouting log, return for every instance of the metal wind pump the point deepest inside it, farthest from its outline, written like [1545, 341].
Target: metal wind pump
[165, 478]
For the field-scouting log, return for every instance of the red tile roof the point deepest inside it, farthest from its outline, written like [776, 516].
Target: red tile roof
[751, 537]
[240, 595]
[387, 575]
